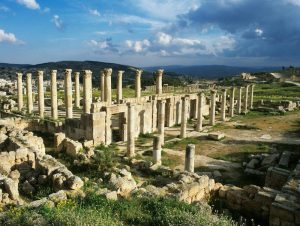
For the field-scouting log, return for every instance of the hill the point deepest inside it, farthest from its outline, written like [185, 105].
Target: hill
[212, 71]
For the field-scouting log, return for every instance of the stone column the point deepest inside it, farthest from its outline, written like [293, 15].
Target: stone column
[138, 89]
[223, 105]
[119, 87]
[29, 93]
[54, 111]
[246, 99]
[189, 158]
[157, 149]
[183, 117]
[239, 101]
[231, 109]
[161, 119]
[213, 107]
[77, 90]
[68, 93]
[102, 79]
[20, 91]
[201, 99]
[87, 91]
[130, 130]
[41, 101]
[159, 74]
[251, 95]
[108, 72]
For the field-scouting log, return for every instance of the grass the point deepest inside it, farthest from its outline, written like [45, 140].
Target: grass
[276, 92]
[96, 210]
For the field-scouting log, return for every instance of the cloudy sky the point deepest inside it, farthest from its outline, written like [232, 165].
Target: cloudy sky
[151, 32]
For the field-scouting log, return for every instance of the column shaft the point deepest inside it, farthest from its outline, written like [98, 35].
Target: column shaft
[108, 72]
[231, 109]
[102, 84]
[213, 108]
[87, 91]
[20, 91]
[251, 95]
[183, 117]
[29, 93]
[223, 106]
[41, 104]
[246, 99]
[130, 130]
[77, 90]
[157, 150]
[161, 119]
[54, 110]
[119, 87]
[138, 75]
[189, 158]
[239, 101]
[68, 94]
[200, 111]
[159, 75]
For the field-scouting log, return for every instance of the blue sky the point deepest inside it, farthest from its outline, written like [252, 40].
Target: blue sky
[151, 32]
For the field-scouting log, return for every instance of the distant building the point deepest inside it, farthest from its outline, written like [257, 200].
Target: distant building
[247, 76]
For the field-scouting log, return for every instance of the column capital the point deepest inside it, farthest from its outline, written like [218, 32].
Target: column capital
[107, 71]
[232, 88]
[130, 105]
[53, 71]
[28, 75]
[40, 73]
[159, 72]
[224, 90]
[162, 101]
[19, 74]
[138, 72]
[77, 73]
[68, 71]
[121, 72]
[213, 91]
[201, 94]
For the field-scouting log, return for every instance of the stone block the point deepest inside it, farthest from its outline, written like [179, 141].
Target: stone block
[216, 136]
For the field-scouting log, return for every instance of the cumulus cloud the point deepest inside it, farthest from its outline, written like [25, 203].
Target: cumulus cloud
[57, 22]
[103, 46]
[30, 4]
[94, 12]
[138, 46]
[259, 28]
[9, 38]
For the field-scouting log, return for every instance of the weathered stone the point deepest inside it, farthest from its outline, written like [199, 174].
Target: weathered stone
[285, 159]
[112, 195]
[58, 196]
[27, 188]
[58, 141]
[73, 148]
[269, 160]
[216, 136]
[15, 175]
[74, 183]
[253, 163]
[11, 187]
[123, 185]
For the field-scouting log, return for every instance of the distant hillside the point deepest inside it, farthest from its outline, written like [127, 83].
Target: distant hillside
[212, 71]
[9, 71]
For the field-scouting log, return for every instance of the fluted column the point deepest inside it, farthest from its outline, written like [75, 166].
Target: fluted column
[246, 99]
[161, 119]
[119, 87]
[251, 95]
[231, 109]
[41, 104]
[130, 130]
[159, 74]
[201, 99]
[68, 93]
[223, 105]
[29, 93]
[54, 110]
[138, 89]
[108, 72]
[102, 84]
[20, 91]
[77, 90]
[183, 117]
[189, 158]
[87, 91]
[213, 107]
[239, 101]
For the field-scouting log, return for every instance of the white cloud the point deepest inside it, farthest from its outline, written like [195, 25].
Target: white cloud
[7, 37]
[138, 46]
[94, 12]
[259, 32]
[293, 2]
[167, 9]
[163, 38]
[57, 21]
[30, 4]
[100, 44]
[100, 32]
[46, 10]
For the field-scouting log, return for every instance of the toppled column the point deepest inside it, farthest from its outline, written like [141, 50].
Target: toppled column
[161, 119]
[29, 93]
[54, 110]
[138, 89]
[201, 99]
[77, 90]
[119, 86]
[108, 72]
[130, 130]
[183, 117]
[87, 91]
[41, 104]
[239, 101]
[246, 99]
[68, 93]
[189, 158]
[231, 109]
[251, 95]
[102, 84]
[20, 91]
[159, 74]
[223, 106]
[213, 107]
[157, 150]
